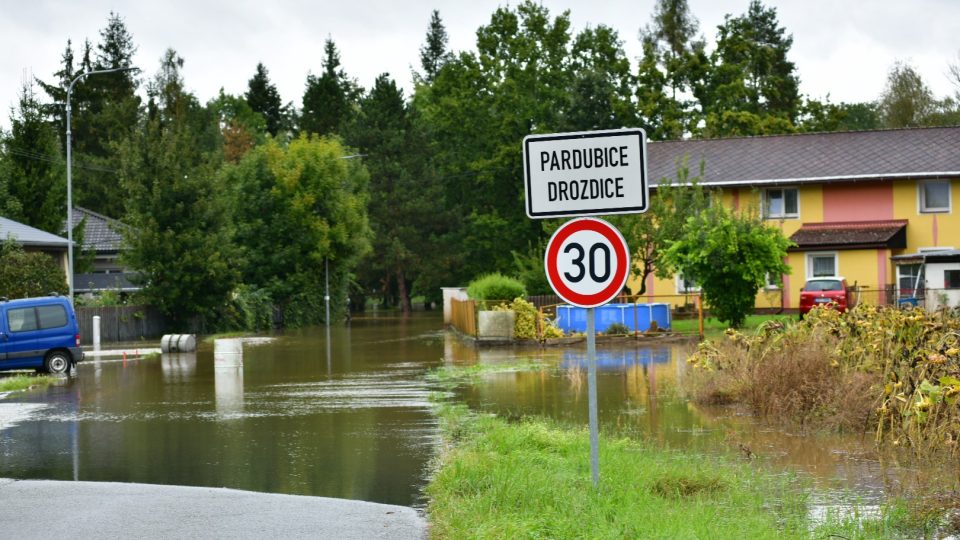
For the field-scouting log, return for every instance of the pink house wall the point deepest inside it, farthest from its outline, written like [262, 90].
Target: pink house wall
[858, 201]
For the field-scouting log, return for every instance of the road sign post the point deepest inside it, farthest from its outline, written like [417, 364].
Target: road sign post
[587, 263]
[587, 260]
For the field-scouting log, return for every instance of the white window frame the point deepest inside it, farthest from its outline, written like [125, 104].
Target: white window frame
[679, 281]
[785, 215]
[770, 284]
[809, 263]
[921, 284]
[921, 202]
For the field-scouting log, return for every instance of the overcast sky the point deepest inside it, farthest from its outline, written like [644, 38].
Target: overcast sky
[843, 48]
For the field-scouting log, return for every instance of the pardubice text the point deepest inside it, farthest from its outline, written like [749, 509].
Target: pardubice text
[580, 188]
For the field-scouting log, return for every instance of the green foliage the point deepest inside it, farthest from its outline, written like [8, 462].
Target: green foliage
[328, 99]
[249, 309]
[297, 207]
[14, 383]
[650, 234]
[495, 286]
[906, 100]
[179, 239]
[32, 170]
[528, 265]
[729, 254]
[617, 329]
[433, 53]
[751, 88]
[24, 275]
[406, 201]
[107, 298]
[262, 97]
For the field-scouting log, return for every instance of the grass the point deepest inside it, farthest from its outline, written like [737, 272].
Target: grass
[713, 327]
[470, 374]
[531, 479]
[11, 383]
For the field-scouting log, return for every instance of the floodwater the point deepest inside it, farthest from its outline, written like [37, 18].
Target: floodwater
[351, 417]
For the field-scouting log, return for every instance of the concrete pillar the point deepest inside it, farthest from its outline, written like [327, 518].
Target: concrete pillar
[96, 332]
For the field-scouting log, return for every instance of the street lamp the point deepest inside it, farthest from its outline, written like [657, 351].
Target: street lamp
[70, 171]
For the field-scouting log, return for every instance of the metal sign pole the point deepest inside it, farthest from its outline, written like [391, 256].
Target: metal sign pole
[592, 397]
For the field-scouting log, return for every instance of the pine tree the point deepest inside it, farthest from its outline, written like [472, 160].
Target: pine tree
[329, 98]
[751, 87]
[433, 53]
[34, 170]
[263, 97]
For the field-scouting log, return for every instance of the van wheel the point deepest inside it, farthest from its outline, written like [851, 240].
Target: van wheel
[57, 363]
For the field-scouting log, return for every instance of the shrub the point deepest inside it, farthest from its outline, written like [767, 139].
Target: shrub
[24, 275]
[617, 329]
[495, 287]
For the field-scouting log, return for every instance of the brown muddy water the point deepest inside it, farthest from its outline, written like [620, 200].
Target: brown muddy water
[355, 420]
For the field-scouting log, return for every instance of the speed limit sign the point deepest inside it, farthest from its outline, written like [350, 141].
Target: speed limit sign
[587, 262]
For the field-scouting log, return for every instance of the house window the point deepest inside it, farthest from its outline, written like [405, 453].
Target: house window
[781, 203]
[821, 265]
[951, 279]
[934, 196]
[685, 285]
[909, 278]
[773, 281]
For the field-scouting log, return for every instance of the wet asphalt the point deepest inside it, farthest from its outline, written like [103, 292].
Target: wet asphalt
[56, 509]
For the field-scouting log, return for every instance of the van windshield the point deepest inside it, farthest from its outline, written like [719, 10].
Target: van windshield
[823, 285]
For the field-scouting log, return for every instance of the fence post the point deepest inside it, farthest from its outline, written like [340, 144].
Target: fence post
[700, 314]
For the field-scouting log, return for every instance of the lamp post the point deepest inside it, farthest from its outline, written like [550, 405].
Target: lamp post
[70, 171]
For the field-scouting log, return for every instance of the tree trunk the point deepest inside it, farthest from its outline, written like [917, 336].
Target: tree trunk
[405, 305]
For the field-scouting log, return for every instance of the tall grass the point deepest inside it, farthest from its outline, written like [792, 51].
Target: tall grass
[11, 383]
[531, 479]
[894, 371]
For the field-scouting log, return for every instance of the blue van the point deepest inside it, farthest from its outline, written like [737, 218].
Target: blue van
[39, 333]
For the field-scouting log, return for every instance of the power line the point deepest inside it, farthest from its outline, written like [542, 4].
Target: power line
[56, 159]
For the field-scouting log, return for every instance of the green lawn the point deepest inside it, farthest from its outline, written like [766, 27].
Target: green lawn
[713, 327]
[17, 381]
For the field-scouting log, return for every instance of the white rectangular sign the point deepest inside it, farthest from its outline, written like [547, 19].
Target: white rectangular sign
[586, 173]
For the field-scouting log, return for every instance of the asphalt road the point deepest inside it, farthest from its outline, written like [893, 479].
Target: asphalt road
[53, 509]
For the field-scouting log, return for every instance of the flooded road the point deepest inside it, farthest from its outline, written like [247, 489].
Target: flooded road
[358, 423]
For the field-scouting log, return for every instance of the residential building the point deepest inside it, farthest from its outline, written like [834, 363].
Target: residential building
[35, 240]
[102, 236]
[850, 201]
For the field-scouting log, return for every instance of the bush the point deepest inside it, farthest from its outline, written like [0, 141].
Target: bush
[617, 329]
[495, 286]
[24, 275]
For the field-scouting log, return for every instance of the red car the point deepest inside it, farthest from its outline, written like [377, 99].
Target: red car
[825, 291]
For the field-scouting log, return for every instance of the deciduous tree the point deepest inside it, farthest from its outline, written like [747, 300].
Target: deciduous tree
[729, 254]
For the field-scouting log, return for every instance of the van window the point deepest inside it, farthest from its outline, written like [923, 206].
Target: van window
[22, 320]
[51, 316]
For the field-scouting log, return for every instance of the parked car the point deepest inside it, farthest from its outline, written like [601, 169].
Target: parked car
[827, 292]
[39, 333]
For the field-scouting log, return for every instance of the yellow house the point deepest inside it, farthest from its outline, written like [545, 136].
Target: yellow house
[849, 200]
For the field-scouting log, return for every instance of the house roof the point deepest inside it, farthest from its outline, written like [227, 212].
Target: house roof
[29, 236]
[100, 233]
[890, 234]
[943, 255]
[813, 157]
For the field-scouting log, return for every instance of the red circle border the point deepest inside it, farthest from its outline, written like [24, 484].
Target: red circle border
[621, 252]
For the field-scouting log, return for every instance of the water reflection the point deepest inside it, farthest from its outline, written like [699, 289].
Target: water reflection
[228, 382]
[346, 417]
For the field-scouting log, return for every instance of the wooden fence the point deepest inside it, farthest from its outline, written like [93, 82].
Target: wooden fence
[463, 316]
[126, 323]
